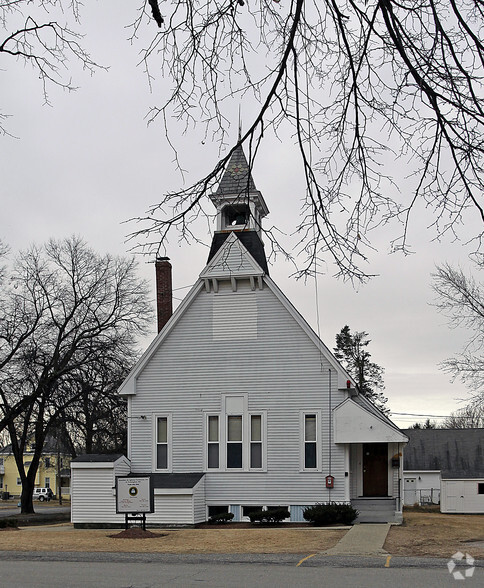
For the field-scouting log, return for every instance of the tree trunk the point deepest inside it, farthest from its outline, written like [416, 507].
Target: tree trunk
[26, 498]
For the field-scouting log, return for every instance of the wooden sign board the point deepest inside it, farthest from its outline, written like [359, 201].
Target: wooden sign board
[134, 495]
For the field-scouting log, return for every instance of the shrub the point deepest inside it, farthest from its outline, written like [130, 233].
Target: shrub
[4, 523]
[330, 513]
[257, 516]
[272, 515]
[224, 517]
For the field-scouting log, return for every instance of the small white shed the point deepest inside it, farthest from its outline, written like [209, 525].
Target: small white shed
[93, 494]
[459, 494]
[179, 499]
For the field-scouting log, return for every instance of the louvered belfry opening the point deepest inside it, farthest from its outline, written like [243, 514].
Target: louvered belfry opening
[164, 295]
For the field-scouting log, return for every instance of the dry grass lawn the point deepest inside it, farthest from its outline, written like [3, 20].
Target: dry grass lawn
[437, 535]
[422, 534]
[179, 541]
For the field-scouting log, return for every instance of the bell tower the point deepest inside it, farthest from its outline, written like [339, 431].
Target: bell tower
[240, 209]
[240, 206]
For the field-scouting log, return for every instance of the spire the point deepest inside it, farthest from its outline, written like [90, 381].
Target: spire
[240, 208]
[240, 125]
[237, 180]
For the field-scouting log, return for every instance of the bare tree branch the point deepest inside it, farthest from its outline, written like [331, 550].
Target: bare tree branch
[461, 299]
[47, 45]
[75, 312]
[362, 87]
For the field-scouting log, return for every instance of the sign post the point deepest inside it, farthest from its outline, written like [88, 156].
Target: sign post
[134, 498]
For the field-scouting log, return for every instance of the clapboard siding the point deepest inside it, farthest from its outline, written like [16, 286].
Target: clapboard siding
[93, 498]
[199, 502]
[172, 509]
[282, 372]
[461, 496]
[233, 256]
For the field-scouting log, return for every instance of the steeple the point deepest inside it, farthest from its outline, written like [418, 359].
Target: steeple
[240, 206]
[240, 209]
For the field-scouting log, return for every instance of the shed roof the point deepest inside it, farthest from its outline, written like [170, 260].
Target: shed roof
[97, 458]
[458, 452]
[188, 480]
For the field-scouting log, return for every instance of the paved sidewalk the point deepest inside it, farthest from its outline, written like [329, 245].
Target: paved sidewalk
[362, 540]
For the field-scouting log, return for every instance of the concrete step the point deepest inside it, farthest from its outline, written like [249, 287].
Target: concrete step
[384, 517]
[370, 504]
[375, 510]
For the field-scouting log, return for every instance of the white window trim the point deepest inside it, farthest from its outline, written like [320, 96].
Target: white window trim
[319, 456]
[169, 438]
[243, 441]
[205, 442]
[223, 434]
[264, 507]
[263, 424]
[245, 404]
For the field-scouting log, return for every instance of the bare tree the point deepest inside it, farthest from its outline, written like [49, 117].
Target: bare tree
[469, 417]
[76, 307]
[96, 421]
[356, 88]
[461, 299]
[360, 87]
[33, 32]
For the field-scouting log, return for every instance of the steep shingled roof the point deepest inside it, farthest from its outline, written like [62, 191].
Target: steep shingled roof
[459, 453]
[237, 179]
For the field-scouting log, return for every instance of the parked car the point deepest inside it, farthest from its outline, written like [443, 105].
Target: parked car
[43, 494]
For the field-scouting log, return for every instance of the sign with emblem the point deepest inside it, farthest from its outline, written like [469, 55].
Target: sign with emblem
[134, 495]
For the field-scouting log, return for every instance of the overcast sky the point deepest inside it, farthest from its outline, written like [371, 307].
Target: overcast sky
[89, 162]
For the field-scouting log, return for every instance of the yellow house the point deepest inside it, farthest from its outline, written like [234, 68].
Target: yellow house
[47, 475]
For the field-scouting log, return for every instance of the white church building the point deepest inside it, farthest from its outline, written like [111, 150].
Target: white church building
[237, 404]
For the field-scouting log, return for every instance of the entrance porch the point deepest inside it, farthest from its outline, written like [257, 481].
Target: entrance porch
[375, 451]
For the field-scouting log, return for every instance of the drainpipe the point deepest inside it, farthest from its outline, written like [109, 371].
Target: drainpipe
[330, 431]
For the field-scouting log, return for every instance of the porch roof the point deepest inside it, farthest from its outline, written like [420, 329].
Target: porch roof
[354, 424]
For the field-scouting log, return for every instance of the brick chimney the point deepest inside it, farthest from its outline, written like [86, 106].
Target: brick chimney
[164, 305]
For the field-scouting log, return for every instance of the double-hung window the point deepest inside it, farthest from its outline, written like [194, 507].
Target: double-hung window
[235, 438]
[234, 442]
[213, 459]
[162, 442]
[255, 441]
[310, 441]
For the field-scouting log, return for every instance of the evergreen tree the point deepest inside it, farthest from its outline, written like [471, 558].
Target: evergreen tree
[427, 425]
[351, 351]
